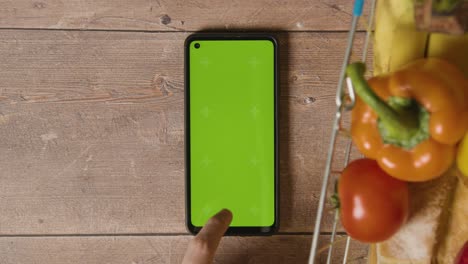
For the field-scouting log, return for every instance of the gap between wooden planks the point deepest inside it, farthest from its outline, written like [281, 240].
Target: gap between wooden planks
[170, 249]
[177, 15]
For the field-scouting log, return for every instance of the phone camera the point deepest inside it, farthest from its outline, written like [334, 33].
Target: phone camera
[197, 45]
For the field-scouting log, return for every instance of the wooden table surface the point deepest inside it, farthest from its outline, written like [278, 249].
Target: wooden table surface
[91, 126]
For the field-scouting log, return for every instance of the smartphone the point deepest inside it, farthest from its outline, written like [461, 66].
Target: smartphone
[231, 131]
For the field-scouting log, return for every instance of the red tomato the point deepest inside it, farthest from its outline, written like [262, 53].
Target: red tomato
[373, 205]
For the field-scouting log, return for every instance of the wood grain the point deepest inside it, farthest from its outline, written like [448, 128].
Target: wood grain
[91, 130]
[178, 15]
[166, 249]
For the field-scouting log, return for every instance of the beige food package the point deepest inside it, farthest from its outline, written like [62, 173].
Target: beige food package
[437, 227]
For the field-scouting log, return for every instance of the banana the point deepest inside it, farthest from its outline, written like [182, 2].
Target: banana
[396, 40]
[453, 48]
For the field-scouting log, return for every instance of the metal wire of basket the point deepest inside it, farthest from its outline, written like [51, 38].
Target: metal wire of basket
[344, 103]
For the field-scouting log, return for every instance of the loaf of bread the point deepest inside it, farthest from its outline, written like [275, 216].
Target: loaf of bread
[436, 229]
[456, 233]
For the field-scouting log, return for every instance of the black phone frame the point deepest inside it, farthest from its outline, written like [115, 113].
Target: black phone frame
[247, 230]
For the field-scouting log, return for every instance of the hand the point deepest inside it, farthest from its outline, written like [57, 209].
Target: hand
[202, 248]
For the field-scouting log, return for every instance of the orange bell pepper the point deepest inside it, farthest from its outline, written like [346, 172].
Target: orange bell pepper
[410, 121]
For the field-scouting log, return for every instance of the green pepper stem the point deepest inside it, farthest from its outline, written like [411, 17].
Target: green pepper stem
[398, 123]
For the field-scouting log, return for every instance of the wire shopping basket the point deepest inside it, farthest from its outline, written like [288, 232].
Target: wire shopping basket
[345, 100]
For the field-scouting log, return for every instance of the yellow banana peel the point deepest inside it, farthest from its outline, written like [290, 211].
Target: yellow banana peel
[396, 40]
[462, 156]
[453, 48]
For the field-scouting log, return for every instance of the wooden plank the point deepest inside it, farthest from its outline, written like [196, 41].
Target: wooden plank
[179, 15]
[91, 130]
[166, 249]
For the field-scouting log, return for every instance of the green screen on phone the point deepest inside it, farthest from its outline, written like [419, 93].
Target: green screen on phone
[232, 130]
